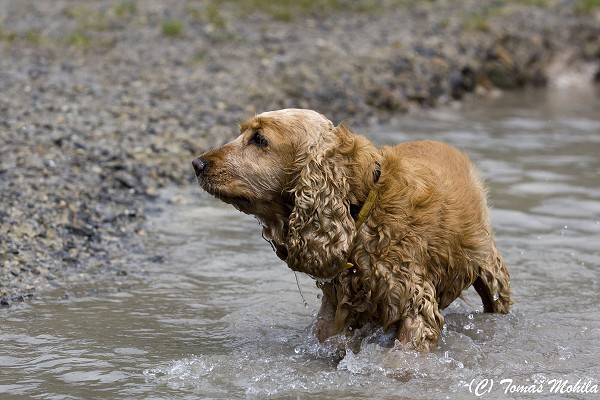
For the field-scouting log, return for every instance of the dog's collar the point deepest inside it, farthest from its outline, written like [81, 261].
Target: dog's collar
[364, 211]
[360, 213]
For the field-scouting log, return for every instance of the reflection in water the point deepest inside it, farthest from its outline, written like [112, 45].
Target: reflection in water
[222, 316]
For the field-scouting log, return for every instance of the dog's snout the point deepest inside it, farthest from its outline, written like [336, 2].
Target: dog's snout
[199, 165]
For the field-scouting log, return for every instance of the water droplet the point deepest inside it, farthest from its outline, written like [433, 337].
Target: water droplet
[496, 296]
[470, 316]
[566, 227]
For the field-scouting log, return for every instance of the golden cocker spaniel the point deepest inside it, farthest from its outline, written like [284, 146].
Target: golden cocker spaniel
[392, 235]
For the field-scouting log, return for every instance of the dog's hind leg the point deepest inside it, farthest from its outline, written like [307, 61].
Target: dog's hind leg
[493, 284]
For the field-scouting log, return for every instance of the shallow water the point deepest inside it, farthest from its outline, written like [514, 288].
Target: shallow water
[222, 317]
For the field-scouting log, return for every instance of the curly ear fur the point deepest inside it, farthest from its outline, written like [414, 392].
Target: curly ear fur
[320, 226]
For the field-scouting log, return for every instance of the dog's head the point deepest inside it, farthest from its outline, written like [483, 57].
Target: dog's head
[290, 169]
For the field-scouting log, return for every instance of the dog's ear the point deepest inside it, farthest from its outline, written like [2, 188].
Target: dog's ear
[320, 227]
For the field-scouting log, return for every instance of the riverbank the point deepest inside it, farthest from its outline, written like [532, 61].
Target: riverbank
[103, 103]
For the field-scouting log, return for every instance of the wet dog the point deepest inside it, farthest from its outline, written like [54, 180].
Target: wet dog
[392, 235]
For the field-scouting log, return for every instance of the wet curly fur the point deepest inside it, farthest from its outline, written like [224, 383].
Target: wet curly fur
[425, 240]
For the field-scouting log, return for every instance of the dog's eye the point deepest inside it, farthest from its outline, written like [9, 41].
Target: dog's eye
[258, 139]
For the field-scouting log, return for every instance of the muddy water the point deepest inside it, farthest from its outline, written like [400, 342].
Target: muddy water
[222, 317]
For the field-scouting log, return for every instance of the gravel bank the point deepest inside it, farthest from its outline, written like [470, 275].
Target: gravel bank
[104, 102]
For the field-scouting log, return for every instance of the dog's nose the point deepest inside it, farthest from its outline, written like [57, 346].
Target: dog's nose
[199, 165]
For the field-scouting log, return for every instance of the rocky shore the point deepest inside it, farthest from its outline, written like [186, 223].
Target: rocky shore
[102, 103]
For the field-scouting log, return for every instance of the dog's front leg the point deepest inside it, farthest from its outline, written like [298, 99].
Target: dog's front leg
[325, 318]
[423, 324]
